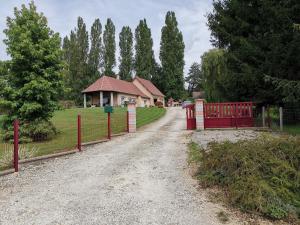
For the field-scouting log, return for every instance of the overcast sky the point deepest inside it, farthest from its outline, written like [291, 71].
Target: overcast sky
[62, 17]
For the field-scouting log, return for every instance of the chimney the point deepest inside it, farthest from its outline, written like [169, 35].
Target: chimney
[118, 77]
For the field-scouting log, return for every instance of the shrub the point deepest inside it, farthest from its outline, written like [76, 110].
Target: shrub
[260, 175]
[159, 104]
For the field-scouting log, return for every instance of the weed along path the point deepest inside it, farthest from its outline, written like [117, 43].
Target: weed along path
[138, 178]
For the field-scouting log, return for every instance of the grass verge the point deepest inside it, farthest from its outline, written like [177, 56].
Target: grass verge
[94, 127]
[260, 176]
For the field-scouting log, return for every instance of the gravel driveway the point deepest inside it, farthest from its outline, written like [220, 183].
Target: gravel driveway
[138, 178]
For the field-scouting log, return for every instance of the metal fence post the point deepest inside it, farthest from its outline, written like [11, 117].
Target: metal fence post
[281, 118]
[16, 145]
[108, 126]
[268, 116]
[79, 132]
[263, 116]
[127, 121]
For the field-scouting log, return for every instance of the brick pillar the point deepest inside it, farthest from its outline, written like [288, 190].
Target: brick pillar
[131, 117]
[199, 106]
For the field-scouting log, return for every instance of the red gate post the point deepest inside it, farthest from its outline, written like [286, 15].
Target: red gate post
[108, 126]
[79, 132]
[16, 145]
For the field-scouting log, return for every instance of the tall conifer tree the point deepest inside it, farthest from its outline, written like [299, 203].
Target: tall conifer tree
[144, 56]
[95, 51]
[172, 58]
[109, 48]
[126, 54]
[76, 52]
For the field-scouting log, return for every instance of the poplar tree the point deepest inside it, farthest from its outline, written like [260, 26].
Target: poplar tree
[76, 54]
[144, 56]
[172, 58]
[95, 51]
[126, 54]
[109, 48]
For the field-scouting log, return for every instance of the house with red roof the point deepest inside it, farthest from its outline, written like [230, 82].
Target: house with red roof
[115, 92]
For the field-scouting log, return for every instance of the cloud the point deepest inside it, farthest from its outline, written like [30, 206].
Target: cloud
[62, 17]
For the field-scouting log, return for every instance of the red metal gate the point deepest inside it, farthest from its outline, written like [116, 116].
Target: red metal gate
[190, 117]
[224, 115]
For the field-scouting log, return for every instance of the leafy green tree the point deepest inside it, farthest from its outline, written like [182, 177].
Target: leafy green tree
[94, 59]
[76, 54]
[172, 57]
[144, 56]
[109, 48]
[194, 78]
[34, 80]
[214, 72]
[262, 40]
[126, 54]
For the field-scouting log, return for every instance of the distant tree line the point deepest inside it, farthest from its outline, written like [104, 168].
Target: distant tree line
[84, 64]
[257, 55]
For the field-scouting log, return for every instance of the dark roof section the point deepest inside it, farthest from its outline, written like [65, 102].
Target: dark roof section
[150, 87]
[106, 83]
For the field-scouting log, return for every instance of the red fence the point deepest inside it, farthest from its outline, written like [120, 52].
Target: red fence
[190, 117]
[73, 132]
[224, 115]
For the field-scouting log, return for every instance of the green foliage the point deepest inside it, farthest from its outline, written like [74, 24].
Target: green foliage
[95, 53]
[109, 48]
[194, 78]
[76, 55]
[34, 80]
[261, 39]
[260, 175]
[172, 58]
[215, 79]
[144, 62]
[126, 54]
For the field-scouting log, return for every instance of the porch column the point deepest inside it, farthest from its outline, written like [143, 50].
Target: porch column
[199, 107]
[101, 99]
[84, 100]
[111, 99]
[131, 117]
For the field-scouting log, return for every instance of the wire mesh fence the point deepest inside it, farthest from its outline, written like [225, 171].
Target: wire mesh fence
[65, 139]
[6, 155]
[119, 121]
[93, 127]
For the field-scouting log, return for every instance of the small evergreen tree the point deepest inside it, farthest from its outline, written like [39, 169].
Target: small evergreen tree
[34, 80]
[126, 54]
[172, 58]
[144, 56]
[109, 48]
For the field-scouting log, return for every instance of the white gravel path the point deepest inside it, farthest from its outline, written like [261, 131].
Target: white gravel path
[139, 178]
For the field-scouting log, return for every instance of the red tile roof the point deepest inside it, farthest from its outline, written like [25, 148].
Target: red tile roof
[150, 87]
[106, 83]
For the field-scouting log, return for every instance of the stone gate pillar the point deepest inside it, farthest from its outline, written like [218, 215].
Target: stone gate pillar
[131, 117]
[199, 107]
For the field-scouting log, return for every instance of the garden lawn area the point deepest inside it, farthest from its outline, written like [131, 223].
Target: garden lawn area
[292, 129]
[93, 127]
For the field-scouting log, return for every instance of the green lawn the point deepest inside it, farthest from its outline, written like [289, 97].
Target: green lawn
[292, 129]
[94, 127]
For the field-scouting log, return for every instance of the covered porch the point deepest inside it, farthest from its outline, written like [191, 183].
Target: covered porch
[100, 99]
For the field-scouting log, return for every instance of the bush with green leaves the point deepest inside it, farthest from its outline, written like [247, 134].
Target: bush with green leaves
[260, 175]
[34, 80]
